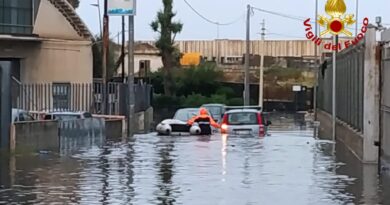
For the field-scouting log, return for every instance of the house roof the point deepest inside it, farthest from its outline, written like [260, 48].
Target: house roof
[145, 48]
[73, 18]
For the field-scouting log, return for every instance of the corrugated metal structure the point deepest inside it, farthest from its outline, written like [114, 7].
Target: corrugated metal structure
[236, 48]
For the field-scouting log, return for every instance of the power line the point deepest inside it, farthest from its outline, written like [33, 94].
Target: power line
[211, 21]
[298, 18]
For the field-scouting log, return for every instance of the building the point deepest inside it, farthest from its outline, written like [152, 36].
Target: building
[45, 41]
[146, 59]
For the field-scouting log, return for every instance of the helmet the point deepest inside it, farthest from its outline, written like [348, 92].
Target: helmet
[203, 111]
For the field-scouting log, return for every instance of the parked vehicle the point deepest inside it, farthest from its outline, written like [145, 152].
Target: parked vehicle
[19, 115]
[64, 116]
[217, 111]
[178, 125]
[244, 121]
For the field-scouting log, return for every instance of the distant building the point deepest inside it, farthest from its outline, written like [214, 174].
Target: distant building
[45, 41]
[146, 59]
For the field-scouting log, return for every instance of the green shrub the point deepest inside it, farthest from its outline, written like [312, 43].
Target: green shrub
[194, 100]
[235, 102]
[220, 99]
[162, 101]
[228, 92]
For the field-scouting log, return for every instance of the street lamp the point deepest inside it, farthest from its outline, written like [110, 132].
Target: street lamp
[100, 16]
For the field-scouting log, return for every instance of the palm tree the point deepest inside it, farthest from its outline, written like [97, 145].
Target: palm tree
[167, 28]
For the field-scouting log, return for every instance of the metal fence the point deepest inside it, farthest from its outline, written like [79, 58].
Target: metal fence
[385, 104]
[349, 86]
[79, 97]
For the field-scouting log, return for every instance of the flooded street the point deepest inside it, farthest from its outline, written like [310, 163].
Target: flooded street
[288, 167]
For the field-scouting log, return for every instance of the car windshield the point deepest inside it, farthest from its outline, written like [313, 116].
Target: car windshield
[185, 115]
[244, 118]
[214, 110]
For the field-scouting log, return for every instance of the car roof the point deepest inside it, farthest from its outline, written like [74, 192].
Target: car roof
[242, 110]
[188, 109]
[66, 113]
[214, 105]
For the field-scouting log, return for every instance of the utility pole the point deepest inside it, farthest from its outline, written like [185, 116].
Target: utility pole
[334, 117]
[105, 57]
[261, 77]
[357, 17]
[316, 69]
[123, 49]
[247, 84]
[130, 76]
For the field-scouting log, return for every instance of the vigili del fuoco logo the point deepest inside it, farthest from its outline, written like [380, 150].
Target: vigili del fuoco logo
[336, 23]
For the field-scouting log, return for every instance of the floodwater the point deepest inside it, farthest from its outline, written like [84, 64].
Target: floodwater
[287, 167]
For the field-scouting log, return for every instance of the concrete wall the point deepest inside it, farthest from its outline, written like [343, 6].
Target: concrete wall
[115, 128]
[371, 102]
[35, 136]
[352, 139]
[144, 121]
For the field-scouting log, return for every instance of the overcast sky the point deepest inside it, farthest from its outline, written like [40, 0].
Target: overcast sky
[224, 11]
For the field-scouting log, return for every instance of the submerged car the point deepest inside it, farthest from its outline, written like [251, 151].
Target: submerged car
[66, 116]
[244, 122]
[178, 125]
[216, 110]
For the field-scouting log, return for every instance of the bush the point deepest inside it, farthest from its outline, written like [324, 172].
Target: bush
[194, 100]
[226, 91]
[235, 102]
[220, 99]
[162, 101]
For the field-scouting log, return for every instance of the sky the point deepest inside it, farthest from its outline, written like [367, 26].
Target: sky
[225, 11]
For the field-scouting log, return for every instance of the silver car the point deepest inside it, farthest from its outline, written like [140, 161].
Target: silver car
[243, 122]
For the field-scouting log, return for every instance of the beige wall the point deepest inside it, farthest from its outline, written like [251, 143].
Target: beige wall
[50, 23]
[51, 60]
[59, 61]
[60, 54]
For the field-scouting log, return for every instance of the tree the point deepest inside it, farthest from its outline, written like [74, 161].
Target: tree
[97, 58]
[74, 3]
[167, 28]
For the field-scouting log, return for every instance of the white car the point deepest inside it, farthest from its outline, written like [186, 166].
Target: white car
[244, 122]
[178, 125]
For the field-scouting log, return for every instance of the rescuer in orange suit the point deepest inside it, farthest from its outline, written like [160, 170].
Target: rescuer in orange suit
[205, 122]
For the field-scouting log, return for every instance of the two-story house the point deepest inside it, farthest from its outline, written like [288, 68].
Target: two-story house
[44, 41]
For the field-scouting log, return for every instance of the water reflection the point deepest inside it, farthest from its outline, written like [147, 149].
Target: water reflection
[288, 167]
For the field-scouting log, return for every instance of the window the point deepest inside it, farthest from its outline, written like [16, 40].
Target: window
[17, 16]
[244, 118]
[185, 115]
